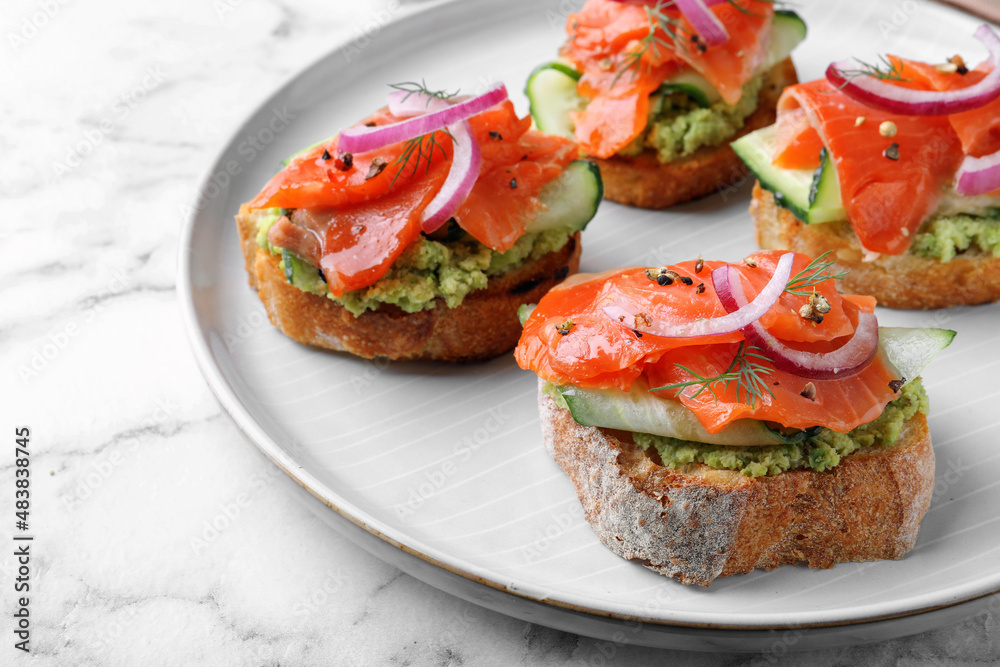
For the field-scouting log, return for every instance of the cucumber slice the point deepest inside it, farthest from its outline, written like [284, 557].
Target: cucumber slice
[907, 351]
[551, 91]
[571, 200]
[694, 85]
[551, 87]
[643, 412]
[524, 311]
[793, 188]
[696, 94]
[301, 274]
[825, 203]
[788, 29]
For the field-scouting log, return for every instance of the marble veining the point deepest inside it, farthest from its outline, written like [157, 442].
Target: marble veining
[161, 535]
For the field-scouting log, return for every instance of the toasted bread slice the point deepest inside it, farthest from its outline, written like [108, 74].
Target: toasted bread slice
[896, 281]
[484, 326]
[645, 182]
[701, 523]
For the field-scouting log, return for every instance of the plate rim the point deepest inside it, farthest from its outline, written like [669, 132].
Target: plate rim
[242, 415]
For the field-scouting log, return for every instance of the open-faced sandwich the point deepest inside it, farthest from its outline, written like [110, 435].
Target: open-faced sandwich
[896, 168]
[716, 418]
[417, 233]
[655, 91]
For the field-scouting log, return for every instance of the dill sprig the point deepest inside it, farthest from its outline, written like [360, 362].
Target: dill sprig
[886, 71]
[419, 150]
[745, 370]
[814, 274]
[745, 10]
[414, 88]
[659, 21]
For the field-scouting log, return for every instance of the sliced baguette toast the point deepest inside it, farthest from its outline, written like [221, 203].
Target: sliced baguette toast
[484, 326]
[897, 281]
[701, 523]
[645, 182]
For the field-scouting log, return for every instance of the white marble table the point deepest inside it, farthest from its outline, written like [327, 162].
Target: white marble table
[161, 536]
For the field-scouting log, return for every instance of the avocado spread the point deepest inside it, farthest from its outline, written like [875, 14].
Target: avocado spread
[426, 270]
[817, 452]
[677, 126]
[944, 237]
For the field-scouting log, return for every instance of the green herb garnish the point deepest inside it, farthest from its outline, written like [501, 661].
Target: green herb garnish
[419, 149]
[814, 274]
[737, 5]
[658, 21]
[886, 71]
[414, 88]
[744, 370]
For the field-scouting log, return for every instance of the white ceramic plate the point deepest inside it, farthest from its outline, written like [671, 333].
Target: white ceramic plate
[446, 462]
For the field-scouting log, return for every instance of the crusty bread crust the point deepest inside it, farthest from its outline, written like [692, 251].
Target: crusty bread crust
[484, 326]
[897, 281]
[701, 524]
[645, 182]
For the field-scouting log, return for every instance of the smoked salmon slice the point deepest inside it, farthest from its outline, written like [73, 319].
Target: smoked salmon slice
[595, 352]
[889, 184]
[892, 168]
[370, 205]
[625, 53]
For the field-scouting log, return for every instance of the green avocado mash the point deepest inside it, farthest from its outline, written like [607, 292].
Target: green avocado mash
[944, 237]
[677, 126]
[426, 270]
[820, 452]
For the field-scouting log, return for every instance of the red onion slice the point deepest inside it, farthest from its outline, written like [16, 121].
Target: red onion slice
[847, 360]
[364, 139]
[704, 21]
[403, 104]
[978, 175]
[738, 318]
[887, 97]
[664, 3]
[465, 164]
